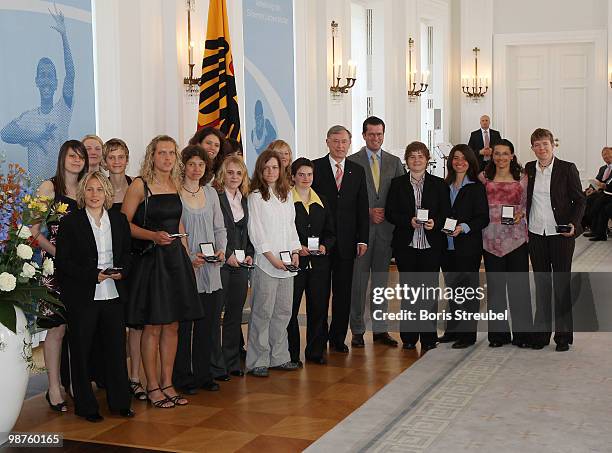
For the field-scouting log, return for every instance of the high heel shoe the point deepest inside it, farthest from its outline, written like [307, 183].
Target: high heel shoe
[60, 407]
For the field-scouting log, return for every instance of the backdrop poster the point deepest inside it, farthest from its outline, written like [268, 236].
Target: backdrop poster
[269, 68]
[47, 93]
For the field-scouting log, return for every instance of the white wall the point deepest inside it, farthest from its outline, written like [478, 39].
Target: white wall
[529, 16]
[141, 56]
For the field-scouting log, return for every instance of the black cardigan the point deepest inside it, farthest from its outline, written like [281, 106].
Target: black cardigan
[472, 208]
[400, 209]
[76, 257]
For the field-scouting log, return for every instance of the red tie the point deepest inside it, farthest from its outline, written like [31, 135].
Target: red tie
[339, 174]
[487, 140]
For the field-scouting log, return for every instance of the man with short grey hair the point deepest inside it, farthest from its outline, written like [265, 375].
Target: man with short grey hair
[343, 184]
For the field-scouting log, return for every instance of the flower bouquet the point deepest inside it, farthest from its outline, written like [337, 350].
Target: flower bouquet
[21, 277]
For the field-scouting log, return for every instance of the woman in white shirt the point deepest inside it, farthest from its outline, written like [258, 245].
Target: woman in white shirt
[272, 231]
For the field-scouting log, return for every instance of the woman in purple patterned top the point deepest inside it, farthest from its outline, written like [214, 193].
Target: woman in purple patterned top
[506, 256]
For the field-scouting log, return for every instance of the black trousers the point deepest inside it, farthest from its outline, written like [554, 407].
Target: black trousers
[592, 206]
[551, 261]
[418, 267]
[98, 322]
[342, 279]
[192, 363]
[602, 212]
[461, 271]
[316, 283]
[509, 274]
[235, 285]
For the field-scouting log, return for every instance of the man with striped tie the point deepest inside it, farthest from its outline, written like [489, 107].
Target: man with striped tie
[380, 168]
[343, 183]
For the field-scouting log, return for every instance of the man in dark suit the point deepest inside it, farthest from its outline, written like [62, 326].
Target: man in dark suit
[380, 168]
[343, 183]
[595, 192]
[554, 197]
[483, 140]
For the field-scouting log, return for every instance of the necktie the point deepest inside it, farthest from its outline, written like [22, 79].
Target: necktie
[375, 172]
[487, 140]
[606, 174]
[339, 174]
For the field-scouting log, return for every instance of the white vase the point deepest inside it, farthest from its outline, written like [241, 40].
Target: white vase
[14, 353]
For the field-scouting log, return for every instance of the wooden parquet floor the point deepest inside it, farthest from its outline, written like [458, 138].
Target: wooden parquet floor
[285, 412]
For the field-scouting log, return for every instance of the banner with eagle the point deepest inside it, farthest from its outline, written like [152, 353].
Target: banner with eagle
[218, 105]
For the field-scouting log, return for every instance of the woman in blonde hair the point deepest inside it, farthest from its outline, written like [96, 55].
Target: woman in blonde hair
[232, 184]
[286, 157]
[164, 286]
[93, 257]
[94, 146]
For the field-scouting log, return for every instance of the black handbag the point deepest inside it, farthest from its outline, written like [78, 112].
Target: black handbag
[141, 246]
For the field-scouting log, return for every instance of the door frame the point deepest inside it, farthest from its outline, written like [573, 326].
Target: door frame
[502, 43]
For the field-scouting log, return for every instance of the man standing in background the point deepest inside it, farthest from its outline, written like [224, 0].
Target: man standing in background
[380, 168]
[483, 140]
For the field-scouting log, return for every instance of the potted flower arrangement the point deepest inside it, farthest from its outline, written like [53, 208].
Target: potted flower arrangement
[21, 285]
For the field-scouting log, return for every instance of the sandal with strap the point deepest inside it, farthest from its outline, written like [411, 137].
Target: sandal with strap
[138, 390]
[161, 404]
[177, 399]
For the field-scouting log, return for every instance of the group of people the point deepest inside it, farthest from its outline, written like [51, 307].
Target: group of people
[170, 253]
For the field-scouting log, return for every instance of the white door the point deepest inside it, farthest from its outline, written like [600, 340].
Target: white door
[551, 86]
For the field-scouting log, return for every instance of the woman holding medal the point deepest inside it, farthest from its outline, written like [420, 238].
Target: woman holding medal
[93, 257]
[463, 254]
[418, 205]
[206, 243]
[506, 254]
[163, 286]
[272, 232]
[232, 184]
[315, 227]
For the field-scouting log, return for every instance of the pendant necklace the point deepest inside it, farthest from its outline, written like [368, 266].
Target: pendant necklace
[193, 194]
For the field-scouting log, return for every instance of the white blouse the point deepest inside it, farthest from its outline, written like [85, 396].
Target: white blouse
[272, 229]
[104, 243]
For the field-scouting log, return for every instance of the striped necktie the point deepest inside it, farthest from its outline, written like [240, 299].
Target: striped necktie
[339, 174]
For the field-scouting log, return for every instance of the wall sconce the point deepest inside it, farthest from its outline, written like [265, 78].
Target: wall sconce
[336, 89]
[473, 88]
[413, 92]
[192, 85]
[610, 79]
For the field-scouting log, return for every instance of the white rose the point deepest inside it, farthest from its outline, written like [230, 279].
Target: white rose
[28, 271]
[24, 232]
[47, 268]
[24, 252]
[8, 282]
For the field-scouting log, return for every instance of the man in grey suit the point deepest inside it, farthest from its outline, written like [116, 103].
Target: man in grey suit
[380, 168]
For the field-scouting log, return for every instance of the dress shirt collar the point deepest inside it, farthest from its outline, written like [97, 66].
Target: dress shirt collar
[314, 198]
[547, 170]
[371, 153]
[104, 221]
[333, 163]
[237, 198]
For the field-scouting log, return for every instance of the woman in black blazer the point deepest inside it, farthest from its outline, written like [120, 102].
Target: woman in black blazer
[313, 220]
[417, 247]
[232, 184]
[93, 258]
[461, 260]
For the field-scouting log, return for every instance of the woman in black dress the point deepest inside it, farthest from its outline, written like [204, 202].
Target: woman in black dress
[163, 286]
[72, 165]
[116, 156]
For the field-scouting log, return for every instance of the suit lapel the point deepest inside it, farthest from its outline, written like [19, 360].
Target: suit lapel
[364, 161]
[88, 233]
[327, 175]
[225, 206]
